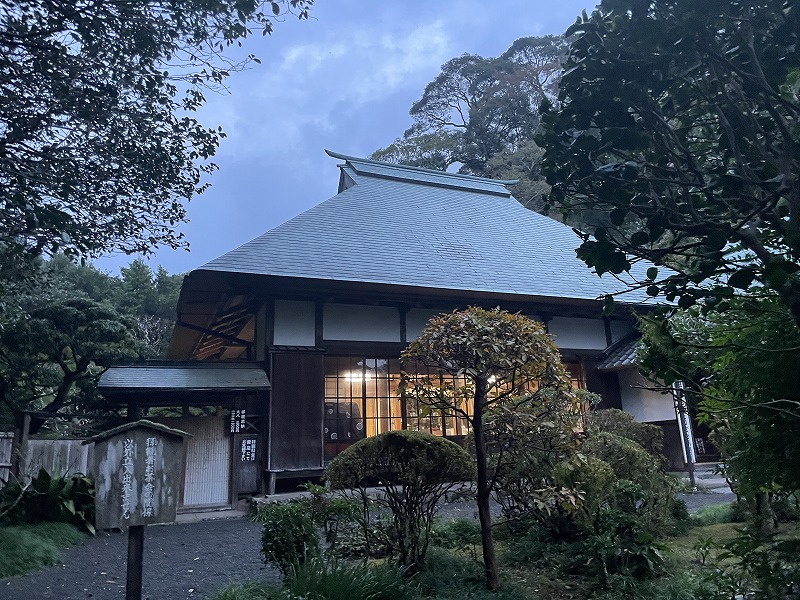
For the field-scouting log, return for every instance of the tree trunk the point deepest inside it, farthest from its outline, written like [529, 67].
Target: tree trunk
[763, 515]
[491, 569]
[59, 400]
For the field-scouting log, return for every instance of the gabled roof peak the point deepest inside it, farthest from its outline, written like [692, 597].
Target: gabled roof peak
[356, 166]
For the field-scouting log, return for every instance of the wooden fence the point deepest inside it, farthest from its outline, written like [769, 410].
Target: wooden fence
[6, 444]
[57, 457]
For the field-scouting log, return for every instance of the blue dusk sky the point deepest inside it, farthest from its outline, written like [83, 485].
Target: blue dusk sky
[343, 80]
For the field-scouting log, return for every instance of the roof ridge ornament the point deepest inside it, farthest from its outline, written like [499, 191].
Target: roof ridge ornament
[402, 167]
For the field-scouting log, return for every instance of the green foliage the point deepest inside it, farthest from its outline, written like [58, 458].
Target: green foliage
[642, 488]
[456, 533]
[749, 566]
[592, 480]
[738, 368]
[528, 443]
[453, 575]
[503, 357]
[26, 548]
[250, 590]
[481, 113]
[415, 470]
[341, 581]
[677, 126]
[621, 542]
[335, 516]
[102, 151]
[717, 513]
[48, 498]
[612, 420]
[289, 537]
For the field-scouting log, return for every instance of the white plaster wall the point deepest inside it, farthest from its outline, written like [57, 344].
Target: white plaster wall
[294, 323]
[578, 334]
[644, 405]
[357, 323]
[619, 329]
[416, 319]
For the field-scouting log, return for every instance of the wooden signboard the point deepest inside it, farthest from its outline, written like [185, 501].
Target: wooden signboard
[137, 469]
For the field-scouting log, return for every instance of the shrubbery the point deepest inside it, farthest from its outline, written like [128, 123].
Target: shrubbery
[289, 537]
[612, 420]
[47, 498]
[414, 471]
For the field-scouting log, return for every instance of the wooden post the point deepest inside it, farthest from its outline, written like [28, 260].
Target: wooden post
[19, 449]
[133, 585]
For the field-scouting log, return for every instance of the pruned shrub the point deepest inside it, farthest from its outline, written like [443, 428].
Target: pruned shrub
[289, 537]
[526, 440]
[632, 463]
[612, 420]
[593, 478]
[414, 471]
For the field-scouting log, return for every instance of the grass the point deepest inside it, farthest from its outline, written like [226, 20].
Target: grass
[26, 548]
[249, 590]
[715, 514]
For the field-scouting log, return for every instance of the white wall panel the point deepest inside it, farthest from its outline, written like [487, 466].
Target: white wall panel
[578, 334]
[416, 319]
[644, 405]
[619, 329]
[359, 323]
[294, 323]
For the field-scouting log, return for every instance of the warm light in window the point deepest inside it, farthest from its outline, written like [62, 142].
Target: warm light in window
[357, 376]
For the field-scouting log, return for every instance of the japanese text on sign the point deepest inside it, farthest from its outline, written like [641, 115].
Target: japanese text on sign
[149, 476]
[238, 421]
[127, 478]
[248, 450]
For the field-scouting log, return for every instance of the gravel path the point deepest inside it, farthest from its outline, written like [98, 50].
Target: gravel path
[188, 561]
[184, 561]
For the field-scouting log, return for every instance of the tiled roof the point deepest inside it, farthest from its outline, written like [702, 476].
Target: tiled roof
[621, 355]
[416, 227]
[196, 377]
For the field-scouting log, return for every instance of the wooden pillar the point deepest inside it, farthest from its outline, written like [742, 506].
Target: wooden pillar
[133, 585]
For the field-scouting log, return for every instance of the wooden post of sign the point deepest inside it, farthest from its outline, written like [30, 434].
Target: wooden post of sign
[133, 585]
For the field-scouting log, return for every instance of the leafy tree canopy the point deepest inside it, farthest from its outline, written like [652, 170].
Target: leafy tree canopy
[740, 367]
[479, 113]
[678, 122]
[98, 147]
[57, 337]
[503, 357]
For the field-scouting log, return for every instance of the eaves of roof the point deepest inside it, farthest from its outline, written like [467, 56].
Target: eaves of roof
[411, 227]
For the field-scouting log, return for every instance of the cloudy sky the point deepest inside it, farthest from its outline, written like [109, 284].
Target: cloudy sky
[343, 80]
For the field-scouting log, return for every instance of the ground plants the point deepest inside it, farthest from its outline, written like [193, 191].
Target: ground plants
[49, 498]
[25, 548]
[289, 536]
[750, 566]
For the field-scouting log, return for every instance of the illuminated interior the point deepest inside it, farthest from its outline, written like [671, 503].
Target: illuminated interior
[365, 397]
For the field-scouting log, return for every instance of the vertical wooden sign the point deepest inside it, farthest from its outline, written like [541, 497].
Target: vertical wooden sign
[137, 470]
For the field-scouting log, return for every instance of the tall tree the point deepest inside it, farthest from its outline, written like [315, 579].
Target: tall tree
[98, 148]
[501, 356]
[57, 338]
[679, 121]
[479, 112]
